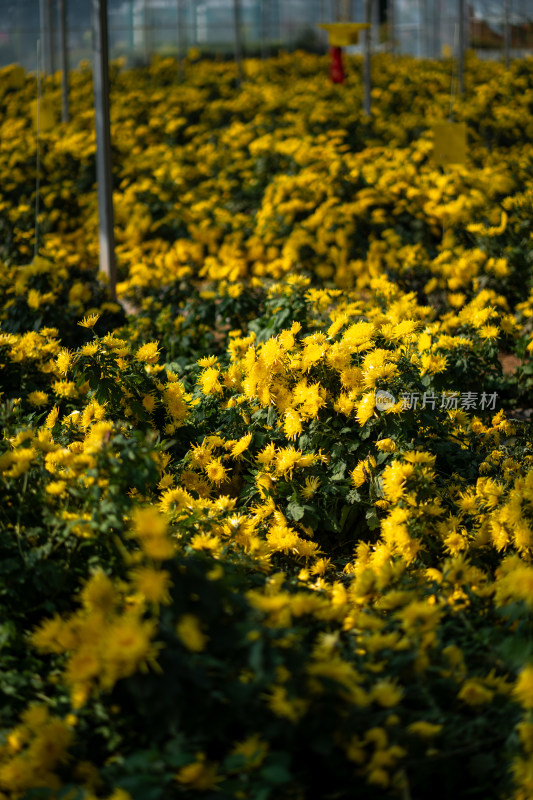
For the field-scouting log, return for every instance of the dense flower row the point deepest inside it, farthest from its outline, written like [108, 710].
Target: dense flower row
[227, 570]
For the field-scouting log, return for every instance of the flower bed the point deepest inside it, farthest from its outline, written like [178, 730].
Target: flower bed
[269, 535]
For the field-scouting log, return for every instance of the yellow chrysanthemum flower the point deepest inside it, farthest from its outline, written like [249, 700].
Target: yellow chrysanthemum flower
[190, 632]
[89, 321]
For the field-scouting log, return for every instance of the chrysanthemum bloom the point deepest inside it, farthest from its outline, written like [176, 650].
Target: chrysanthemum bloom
[286, 459]
[311, 485]
[523, 690]
[176, 499]
[254, 750]
[386, 693]
[292, 425]
[424, 729]
[89, 349]
[149, 402]
[148, 353]
[154, 584]
[190, 632]
[51, 419]
[216, 471]
[64, 361]
[89, 321]
[474, 693]
[365, 408]
[99, 593]
[282, 538]
[200, 775]
[56, 488]
[394, 477]
[127, 647]
[241, 445]
[362, 471]
[37, 398]
[150, 528]
[82, 667]
[387, 445]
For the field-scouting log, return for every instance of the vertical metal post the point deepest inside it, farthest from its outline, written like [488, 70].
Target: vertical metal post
[366, 59]
[18, 32]
[374, 19]
[428, 50]
[38, 160]
[104, 173]
[131, 32]
[147, 33]
[50, 21]
[391, 26]
[436, 29]
[43, 24]
[194, 25]
[181, 38]
[263, 27]
[64, 59]
[467, 27]
[237, 31]
[420, 29]
[461, 48]
[507, 32]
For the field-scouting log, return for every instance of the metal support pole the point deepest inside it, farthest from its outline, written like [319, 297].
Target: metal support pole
[366, 58]
[44, 30]
[147, 34]
[180, 9]
[104, 173]
[522, 28]
[263, 27]
[427, 29]
[467, 27]
[461, 48]
[420, 29]
[437, 30]
[51, 35]
[237, 30]
[64, 59]
[391, 26]
[374, 20]
[18, 32]
[131, 32]
[507, 32]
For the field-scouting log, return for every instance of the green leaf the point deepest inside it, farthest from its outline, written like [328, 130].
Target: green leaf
[276, 774]
[353, 496]
[338, 471]
[372, 519]
[295, 511]
[7, 633]
[255, 659]
[515, 650]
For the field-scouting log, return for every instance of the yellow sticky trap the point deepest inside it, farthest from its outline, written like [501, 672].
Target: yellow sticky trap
[47, 115]
[343, 34]
[450, 143]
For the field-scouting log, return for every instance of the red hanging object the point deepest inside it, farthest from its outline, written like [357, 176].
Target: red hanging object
[336, 68]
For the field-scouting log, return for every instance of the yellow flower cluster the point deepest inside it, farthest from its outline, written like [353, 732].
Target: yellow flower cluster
[383, 550]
